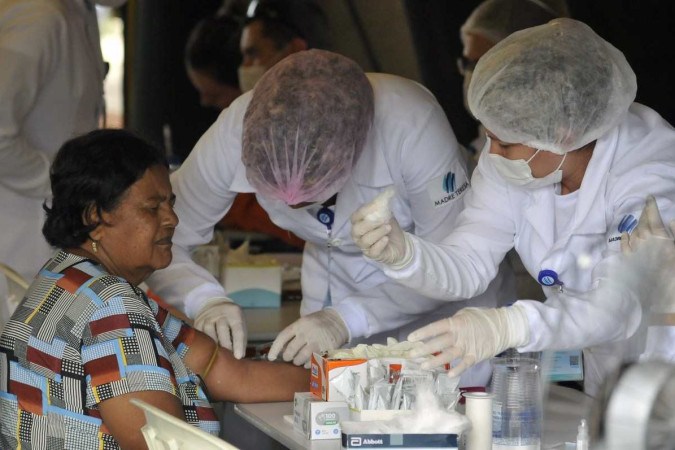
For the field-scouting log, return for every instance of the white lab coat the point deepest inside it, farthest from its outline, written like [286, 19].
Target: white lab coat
[629, 162]
[51, 87]
[410, 146]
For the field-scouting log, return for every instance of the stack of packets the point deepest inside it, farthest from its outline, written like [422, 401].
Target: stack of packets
[379, 382]
[427, 426]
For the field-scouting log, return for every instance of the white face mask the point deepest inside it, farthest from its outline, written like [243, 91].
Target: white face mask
[249, 76]
[519, 173]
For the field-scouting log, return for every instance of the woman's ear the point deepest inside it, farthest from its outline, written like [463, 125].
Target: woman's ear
[90, 216]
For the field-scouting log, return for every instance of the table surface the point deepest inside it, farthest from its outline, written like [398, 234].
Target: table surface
[564, 409]
[264, 324]
[269, 418]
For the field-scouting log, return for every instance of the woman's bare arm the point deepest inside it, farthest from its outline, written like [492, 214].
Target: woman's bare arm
[242, 380]
[124, 419]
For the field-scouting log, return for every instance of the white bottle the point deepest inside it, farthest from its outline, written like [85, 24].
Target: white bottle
[582, 435]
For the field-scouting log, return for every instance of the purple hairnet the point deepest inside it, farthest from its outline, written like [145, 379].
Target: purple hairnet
[306, 126]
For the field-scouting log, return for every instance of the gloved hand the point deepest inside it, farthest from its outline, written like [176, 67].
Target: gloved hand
[222, 319]
[317, 332]
[650, 226]
[472, 335]
[385, 242]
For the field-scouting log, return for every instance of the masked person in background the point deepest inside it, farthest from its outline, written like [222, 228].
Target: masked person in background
[489, 23]
[275, 29]
[51, 88]
[86, 340]
[316, 137]
[568, 162]
[211, 60]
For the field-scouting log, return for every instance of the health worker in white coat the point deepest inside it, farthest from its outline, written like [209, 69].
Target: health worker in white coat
[316, 138]
[51, 89]
[568, 163]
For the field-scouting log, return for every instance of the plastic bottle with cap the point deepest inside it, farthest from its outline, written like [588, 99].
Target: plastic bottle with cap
[582, 435]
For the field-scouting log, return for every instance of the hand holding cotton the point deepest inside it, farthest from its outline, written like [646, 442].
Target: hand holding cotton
[377, 233]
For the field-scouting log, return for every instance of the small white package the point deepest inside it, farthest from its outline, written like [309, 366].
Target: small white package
[316, 418]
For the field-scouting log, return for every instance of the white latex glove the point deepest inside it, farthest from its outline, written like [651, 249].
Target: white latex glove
[223, 320]
[317, 332]
[650, 226]
[472, 335]
[382, 241]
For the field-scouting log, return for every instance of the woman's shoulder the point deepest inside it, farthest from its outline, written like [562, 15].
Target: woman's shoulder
[83, 277]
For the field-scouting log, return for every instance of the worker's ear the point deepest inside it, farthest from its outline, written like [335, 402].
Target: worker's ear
[297, 44]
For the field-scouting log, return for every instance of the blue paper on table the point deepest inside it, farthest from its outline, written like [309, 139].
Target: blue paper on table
[567, 366]
[253, 286]
[256, 298]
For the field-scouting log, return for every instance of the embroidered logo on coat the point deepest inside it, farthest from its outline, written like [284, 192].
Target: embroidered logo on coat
[449, 183]
[446, 188]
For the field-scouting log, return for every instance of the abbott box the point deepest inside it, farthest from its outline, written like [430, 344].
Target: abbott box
[253, 286]
[324, 370]
[316, 418]
[400, 441]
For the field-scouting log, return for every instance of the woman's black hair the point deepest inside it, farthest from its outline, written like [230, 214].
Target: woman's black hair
[213, 47]
[90, 173]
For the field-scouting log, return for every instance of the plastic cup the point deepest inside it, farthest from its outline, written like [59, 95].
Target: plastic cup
[517, 404]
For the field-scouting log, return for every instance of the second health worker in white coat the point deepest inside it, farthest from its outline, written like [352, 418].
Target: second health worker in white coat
[314, 140]
[568, 164]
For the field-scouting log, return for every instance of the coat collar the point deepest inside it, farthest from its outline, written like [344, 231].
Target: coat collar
[589, 214]
[240, 183]
[371, 172]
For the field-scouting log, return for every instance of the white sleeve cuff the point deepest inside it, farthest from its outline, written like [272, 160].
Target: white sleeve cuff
[412, 264]
[196, 298]
[354, 318]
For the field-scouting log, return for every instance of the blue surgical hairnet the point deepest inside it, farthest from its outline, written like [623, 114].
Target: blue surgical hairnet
[496, 19]
[306, 126]
[554, 87]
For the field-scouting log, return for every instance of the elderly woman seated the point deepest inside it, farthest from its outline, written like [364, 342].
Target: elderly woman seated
[86, 339]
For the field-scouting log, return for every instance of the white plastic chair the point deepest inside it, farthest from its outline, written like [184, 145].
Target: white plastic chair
[162, 431]
[12, 295]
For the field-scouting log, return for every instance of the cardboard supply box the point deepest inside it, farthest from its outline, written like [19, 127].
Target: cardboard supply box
[316, 418]
[323, 370]
[253, 285]
[400, 441]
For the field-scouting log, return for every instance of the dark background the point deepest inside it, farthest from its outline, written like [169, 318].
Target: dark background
[158, 92]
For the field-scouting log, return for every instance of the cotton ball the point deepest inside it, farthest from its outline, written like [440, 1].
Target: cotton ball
[378, 210]
[584, 261]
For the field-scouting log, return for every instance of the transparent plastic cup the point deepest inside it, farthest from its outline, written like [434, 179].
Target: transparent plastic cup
[517, 404]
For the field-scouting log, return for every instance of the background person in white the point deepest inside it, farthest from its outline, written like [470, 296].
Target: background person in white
[51, 89]
[568, 164]
[320, 106]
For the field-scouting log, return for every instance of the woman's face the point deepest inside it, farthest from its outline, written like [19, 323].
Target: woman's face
[134, 239]
[543, 164]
